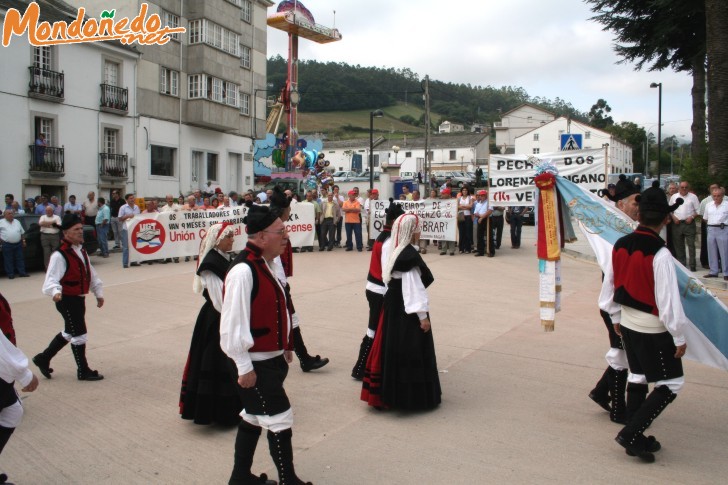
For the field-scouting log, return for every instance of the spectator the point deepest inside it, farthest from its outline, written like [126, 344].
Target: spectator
[226, 201]
[716, 216]
[116, 226]
[465, 220]
[40, 150]
[103, 222]
[50, 238]
[16, 208]
[57, 206]
[215, 204]
[447, 246]
[71, 207]
[199, 201]
[171, 206]
[126, 213]
[406, 192]
[9, 198]
[90, 209]
[339, 199]
[352, 216]
[372, 195]
[234, 198]
[12, 239]
[316, 218]
[191, 204]
[704, 227]
[181, 200]
[515, 219]
[330, 215]
[29, 205]
[482, 211]
[206, 204]
[683, 225]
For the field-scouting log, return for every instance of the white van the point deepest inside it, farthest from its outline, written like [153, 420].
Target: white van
[408, 175]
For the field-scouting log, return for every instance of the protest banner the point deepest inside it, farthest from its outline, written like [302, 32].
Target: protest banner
[438, 218]
[164, 235]
[511, 176]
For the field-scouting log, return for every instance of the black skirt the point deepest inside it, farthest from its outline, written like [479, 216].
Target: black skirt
[209, 393]
[409, 376]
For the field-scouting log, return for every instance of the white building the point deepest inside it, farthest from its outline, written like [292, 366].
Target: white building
[447, 152]
[448, 127]
[190, 114]
[516, 122]
[547, 139]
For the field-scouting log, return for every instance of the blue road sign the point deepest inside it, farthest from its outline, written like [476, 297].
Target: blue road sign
[571, 141]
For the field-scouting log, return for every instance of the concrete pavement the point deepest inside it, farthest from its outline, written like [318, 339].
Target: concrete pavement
[515, 406]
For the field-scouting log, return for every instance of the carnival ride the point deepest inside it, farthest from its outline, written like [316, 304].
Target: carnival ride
[289, 152]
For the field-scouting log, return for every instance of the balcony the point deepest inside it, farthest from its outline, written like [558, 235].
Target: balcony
[113, 167]
[114, 99]
[46, 161]
[46, 84]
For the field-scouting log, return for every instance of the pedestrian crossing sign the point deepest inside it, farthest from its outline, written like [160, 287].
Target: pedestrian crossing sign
[571, 141]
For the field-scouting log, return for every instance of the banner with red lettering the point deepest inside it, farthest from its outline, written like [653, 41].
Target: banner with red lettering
[438, 217]
[164, 235]
[511, 176]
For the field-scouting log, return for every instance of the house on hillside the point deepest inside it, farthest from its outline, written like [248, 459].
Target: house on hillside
[448, 127]
[516, 122]
[446, 152]
[547, 139]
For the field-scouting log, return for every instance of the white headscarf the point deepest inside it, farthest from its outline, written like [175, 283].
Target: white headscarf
[214, 235]
[403, 228]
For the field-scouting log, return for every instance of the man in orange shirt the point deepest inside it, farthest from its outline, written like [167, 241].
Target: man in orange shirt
[352, 221]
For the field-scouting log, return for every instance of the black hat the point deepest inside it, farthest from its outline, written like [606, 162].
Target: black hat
[279, 200]
[393, 211]
[259, 218]
[70, 220]
[624, 188]
[655, 200]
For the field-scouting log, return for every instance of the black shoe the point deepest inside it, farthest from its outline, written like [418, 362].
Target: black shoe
[651, 445]
[90, 375]
[321, 249]
[312, 363]
[134, 264]
[638, 447]
[43, 366]
[477, 255]
[329, 249]
[709, 275]
[603, 402]
[24, 275]
[693, 269]
[349, 249]
[11, 277]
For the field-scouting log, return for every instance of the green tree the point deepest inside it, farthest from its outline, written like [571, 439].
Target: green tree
[717, 50]
[598, 114]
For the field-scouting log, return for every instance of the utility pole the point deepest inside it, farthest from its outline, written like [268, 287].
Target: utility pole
[427, 168]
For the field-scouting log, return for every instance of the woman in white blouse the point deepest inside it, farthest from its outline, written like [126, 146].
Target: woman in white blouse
[465, 220]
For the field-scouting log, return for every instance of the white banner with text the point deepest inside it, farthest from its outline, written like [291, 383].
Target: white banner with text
[438, 218]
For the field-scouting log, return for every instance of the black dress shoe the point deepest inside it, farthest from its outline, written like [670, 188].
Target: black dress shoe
[709, 275]
[24, 275]
[693, 269]
[638, 448]
[91, 375]
[313, 363]
[43, 366]
[349, 249]
[603, 402]
[321, 249]
[651, 445]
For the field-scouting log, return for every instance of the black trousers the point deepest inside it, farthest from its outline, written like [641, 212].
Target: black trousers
[496, 225]
[328, 233]
[480, 237]
[516, 226]
[73, 311]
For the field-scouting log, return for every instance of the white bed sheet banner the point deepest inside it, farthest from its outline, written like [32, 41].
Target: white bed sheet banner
[511, 176]
[438, 218]
[174, 234]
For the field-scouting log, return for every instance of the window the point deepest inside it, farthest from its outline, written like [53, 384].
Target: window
[171, 20]
[453, 155]
[247, 13]
[111, 73]
[535, 137]
[169, 83]
[231, 94]
[196, 86]
[245, 56]
[42, 57]
[163, 161]
[196, 165]
[235, 2]
[206, 32]
[214, 89]
[536, 150]
[212, 166]
[244, 104]
[407, 154]
[44, 126]
[587, 135]
[111, 138]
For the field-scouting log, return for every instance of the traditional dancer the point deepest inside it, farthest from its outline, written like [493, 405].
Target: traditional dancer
[647, 312]
[208, 394]
[69, 278]
[280, 204]
[255, 329]
[609, 392]
[375, 288]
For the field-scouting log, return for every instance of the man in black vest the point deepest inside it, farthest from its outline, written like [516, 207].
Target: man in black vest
[69, 278]
[647, 312]
[255, 332]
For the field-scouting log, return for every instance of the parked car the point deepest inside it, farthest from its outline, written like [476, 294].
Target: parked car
[295, 185]
[363, 176]
[33, 252]
[528, 217]
[456, 178]
[344, 175]
[408, 175]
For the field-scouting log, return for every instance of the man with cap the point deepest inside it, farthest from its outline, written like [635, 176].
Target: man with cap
[609, 391]
[255, 332]
[481, 212]
[643, 300]
[280, 205]
[352, 221]
[69, 278]
[375, 288]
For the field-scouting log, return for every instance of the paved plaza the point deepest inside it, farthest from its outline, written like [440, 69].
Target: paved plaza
[515, 406]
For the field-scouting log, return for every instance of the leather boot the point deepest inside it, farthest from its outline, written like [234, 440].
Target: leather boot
[5, 436]
[281, 450]
[636, 395]
[617, 384]
[600, 393]
[43, 360]
[632, 438]
[84, 372]
[366, 346]
[245, 443]
[308, 363]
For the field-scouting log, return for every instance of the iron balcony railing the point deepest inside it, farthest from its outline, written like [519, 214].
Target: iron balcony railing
[114, 97]
[46, 82]
[47, 159]
[113, 165]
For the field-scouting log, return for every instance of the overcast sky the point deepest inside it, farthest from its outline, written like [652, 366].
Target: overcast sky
[549, 48]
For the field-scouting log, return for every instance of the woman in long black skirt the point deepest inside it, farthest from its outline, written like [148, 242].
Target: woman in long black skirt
[208, 391]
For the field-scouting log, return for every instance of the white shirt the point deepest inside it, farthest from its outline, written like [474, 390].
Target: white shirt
[689, 207]
[414, 292]
[716, 214]
[465, 201]
[72, 207]
[57, 268]
[90, 208]
[11, 232]
[171, 208]
[126, 210]
[480, 208]
[386, 251]
[214, 284]
[667, 298]
[235, 336]
[53, 219]
[13, 363]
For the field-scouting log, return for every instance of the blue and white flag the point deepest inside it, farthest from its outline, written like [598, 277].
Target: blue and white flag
[603, 224]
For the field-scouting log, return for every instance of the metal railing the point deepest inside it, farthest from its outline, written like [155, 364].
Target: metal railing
[113, 165]
[47, 159]
[114, 97]
[46, 82]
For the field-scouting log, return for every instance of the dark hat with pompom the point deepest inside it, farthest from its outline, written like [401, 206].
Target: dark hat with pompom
[654, 199]
[70, 220]
[624, 188]
[259, 217]
[393, 211]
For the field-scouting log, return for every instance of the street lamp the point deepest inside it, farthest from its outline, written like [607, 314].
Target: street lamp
[395, 149]
[374, 114]
[659, 126]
